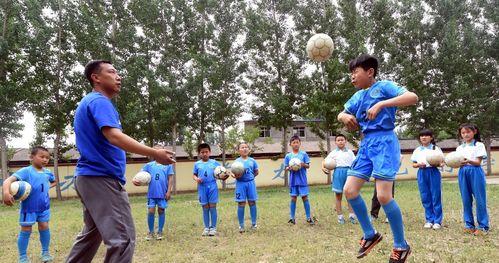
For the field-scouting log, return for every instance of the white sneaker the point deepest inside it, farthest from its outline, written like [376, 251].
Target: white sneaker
[427, 225]
[241, 229]
[437, 226]
[387, 221]
[212, 232]
[206, 232]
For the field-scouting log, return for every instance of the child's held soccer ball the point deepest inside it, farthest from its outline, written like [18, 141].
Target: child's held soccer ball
[221, 173]
[454, 159]
[330, 163]
[20, 190]
[295, 164]
[434, 158]
[142, 178]
[237, 168]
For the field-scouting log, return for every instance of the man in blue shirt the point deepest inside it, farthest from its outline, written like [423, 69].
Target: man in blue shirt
[158, 194]
[100, 171]
[373, 108]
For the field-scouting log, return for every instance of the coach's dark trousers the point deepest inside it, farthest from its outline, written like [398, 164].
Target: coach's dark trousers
[107, 217]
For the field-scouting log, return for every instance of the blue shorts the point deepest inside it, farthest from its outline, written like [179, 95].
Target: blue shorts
[339, 179]
[299, 190]
[245, 191]
[29, 219]
[208, 194]
[160, 202]
[378, 156]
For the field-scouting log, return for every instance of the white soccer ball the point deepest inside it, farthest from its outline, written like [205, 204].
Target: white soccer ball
[320, 47]
[221, 173]
[330, 163]
[142, 177]
[454, 159]
[237, 168]
[434, 158]
[20, 190]
[295, 164]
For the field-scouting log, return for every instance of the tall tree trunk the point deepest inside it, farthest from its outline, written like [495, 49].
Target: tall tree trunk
[5, 169]
[285, 151]
[328, 148]
[488, 148]
[222, 143]
[57, 142]
[174, 149]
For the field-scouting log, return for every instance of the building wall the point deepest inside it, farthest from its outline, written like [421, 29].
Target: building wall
[271, 174]
[276, 135]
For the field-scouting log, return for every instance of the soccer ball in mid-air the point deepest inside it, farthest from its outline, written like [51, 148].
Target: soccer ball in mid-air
[434, 158]
[295, 164]
[454, 159]
[330, 163]
[20, 190]
[320, 47]
[142, 177]
[221, 173]
[237, 168]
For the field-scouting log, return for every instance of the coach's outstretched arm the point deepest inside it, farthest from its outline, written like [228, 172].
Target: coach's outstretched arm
[116, 137]
[406, 99]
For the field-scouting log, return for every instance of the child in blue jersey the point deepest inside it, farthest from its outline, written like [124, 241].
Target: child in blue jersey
[344, 158]
[471, 178]
[204, 175]
[158, 194]
[35, 208]
[246, 187]
[373, 108]
[298, 185]
[429, 180]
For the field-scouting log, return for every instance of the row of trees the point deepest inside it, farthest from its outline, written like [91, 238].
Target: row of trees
[190, 68]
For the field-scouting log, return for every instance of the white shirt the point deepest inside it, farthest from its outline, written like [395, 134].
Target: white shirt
[472, 151]
[343, 158]
[419, 154]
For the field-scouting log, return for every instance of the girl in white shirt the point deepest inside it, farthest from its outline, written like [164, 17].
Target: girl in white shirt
[344, 158]
[472, 180]
[429, 180]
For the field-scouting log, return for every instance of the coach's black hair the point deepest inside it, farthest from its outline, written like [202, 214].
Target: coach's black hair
[472, 127]
[37, 149]
[427, 132]
[204, 146]
[366, 62]
[93, 67]
[294, 138]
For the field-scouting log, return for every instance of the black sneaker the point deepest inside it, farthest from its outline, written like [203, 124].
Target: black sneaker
[292, 221]
[311, 221]
[400, 255]
[366, 245]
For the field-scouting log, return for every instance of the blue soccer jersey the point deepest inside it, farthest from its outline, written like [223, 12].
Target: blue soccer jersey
[297, 178]
[363, 100]
[38, 200]
[205, 171]
[159, 179]
[250, 168]
[98, 157]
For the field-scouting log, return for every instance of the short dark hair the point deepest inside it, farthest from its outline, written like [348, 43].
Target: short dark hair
[366, 62]
[294, 138]
[340, 135]
[37, 149]
[203, 146]
[93, 67]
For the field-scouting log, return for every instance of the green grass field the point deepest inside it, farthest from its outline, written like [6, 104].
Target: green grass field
[275, 240]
